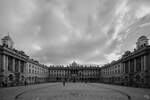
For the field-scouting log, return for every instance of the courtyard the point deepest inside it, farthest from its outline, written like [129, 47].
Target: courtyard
[74, 91]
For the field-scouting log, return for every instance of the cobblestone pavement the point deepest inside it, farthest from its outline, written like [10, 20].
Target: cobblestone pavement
[74, 91]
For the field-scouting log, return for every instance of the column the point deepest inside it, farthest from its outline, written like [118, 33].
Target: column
[123, 68]
[122, 71]
[141, 63]
[135, 65]
[24, 67]
[4, 62]
[4, 66]
[16, 65]
[144, 66]
[129, 67]
[19, 65]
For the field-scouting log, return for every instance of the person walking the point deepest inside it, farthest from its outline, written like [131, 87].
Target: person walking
[63, 82]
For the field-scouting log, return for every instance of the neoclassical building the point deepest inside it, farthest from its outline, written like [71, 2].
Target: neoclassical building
[136, 64]
[112, 72]
[14, 65]
[36, 72]
[133, 69]
[12, 62]
[75, 73]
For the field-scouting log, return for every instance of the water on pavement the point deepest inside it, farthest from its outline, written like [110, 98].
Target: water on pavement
[72, 91]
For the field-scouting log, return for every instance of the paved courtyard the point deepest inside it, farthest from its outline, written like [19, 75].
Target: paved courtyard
[74, 91]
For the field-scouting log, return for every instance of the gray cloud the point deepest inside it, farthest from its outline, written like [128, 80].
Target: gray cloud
[59, 31]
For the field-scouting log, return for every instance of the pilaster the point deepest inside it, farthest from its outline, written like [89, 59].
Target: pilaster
[129, 67]
[145, 66]
[4, 62]
[19, 65]
[142, 63]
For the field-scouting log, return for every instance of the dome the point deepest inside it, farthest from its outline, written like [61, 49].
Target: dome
[74, 63]
[143, 37]
[142, 42]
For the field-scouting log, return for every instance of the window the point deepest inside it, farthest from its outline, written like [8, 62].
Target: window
[132, 66]
[10, 64]
[16, 66]
[138, 64]
[21, 67]
[126, 67]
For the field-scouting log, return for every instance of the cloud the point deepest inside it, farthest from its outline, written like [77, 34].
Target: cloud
[143, 10]
[145, 24]
[89, 31]
[36, 47]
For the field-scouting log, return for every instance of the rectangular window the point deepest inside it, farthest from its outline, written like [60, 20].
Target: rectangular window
[10, 63]
[21, 66]
[138, 64]
[16, 65]
[126, 67]
[132, 66]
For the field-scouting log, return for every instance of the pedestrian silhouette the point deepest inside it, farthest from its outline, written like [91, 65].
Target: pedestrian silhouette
[63, 82]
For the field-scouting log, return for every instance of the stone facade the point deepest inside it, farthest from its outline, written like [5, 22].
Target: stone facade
[36, 72]
[75, 73]
[112, 73]
[14, 65]
[133, 68]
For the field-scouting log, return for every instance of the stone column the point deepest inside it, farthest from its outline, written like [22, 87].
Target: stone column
[13, 64]
[134, 65]
[144, 66]
[123, 68]
[4, 62]
[129, 67]
[4, 67]
[24, 68]
[27, 68]
[18, 65]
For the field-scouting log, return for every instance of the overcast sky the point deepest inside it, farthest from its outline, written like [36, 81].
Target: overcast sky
[88, 31]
